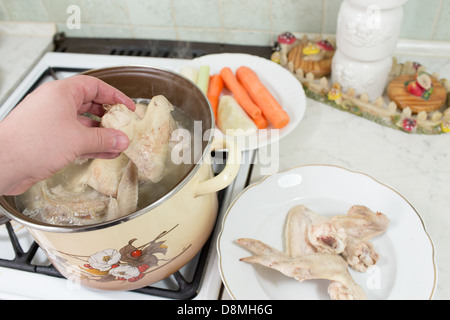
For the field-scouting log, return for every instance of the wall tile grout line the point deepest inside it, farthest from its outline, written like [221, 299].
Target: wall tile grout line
[221, 21]
[436, 19]
[270, 16]
[324, 15]
[172, 13]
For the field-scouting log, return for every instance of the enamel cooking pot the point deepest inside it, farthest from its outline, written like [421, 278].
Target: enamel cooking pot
[146, 246]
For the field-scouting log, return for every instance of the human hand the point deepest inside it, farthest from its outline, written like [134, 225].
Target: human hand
[47, 131]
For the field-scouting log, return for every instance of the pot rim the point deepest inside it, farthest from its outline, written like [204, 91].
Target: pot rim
[38, 225]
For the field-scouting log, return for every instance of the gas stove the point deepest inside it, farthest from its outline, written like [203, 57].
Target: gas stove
[25, 271]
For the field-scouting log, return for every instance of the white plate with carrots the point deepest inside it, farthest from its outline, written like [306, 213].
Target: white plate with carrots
[272, 99]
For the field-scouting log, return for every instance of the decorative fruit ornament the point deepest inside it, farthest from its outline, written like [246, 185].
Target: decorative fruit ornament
[424, 80]
[413, 88]
[421, 86]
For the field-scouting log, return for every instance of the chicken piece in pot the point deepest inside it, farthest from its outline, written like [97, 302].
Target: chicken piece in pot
[64, 207]
[149, 137]
[104, 175]
[127, 194]
[75, 203]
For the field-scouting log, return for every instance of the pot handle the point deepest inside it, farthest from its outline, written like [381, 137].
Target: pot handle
[224, 178]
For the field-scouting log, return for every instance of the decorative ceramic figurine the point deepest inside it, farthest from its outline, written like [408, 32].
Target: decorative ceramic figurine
[285, 41]
[368, 30]
[366, 37]
[365, 77]
[314, 57]
[419, 92]
[414, 102]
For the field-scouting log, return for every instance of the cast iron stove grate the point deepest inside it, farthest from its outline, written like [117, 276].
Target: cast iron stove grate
[153, 48]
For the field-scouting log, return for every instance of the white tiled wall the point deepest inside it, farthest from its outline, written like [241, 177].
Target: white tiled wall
[255, 22]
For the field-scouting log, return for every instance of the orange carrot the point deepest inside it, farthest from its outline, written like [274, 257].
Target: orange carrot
[240, 94]
[214, 90]
[260, 122]
[270, 107]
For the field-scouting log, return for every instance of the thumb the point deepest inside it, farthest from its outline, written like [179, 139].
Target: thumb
[104, 141]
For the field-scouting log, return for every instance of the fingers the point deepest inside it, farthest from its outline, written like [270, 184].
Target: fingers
[90, 93]
[19, 189]
[94, 108]
[101, 155]
[103, 143]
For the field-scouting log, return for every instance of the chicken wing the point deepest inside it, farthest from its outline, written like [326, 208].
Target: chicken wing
[296, 232]
[302, 260]
[306, 267]
[104, 174]
[362, 223]
[149, 137]
[127, 194]
[359, 225]
[61, 206]
[320, 234]
[75, 203]
[360, 254]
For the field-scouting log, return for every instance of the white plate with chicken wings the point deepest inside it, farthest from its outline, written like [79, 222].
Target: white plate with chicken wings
[260, 255]
[284, 87]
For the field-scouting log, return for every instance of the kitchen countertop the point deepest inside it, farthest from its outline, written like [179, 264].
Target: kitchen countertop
[21, 46]
[415, 165]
